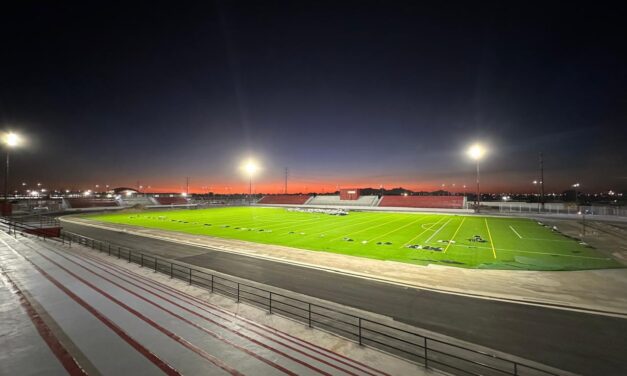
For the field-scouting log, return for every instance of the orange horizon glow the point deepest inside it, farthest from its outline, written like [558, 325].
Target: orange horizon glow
[295, 187]
[321, 188]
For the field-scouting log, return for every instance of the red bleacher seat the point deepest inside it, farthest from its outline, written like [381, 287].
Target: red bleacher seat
[284, 199]
[171, 200]
[442, 202]
[81, 203]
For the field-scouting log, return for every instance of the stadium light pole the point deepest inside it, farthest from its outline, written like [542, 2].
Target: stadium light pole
[10, 140]
[476, 152]
[251, 168]
[536, 182]
[579, 211]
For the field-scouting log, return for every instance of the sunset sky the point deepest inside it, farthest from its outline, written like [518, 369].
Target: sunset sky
[342, 93]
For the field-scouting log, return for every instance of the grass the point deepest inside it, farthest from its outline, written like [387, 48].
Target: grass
[508, 243]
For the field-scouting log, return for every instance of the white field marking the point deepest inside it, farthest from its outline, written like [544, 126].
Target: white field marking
[416, 237]
[260, 219]
[426, 224]
[296, 223]
[515, 232]
[453, 237]
[393, 231]
[361, 275]
[366, 229]
[351, 223]
[550, 240]
[538, 253]
[220, 220]
[440, 229]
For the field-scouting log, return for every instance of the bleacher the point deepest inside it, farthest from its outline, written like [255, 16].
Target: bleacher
[83, 203]
[284, 199]
[335, 201]
[441, 202]
[137, 200]
[176, 200]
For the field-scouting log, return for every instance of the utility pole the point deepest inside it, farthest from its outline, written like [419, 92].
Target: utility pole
[187, 186]
[286, 173]
[541, 182]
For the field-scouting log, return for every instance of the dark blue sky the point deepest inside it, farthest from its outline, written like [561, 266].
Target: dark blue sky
[341, 93]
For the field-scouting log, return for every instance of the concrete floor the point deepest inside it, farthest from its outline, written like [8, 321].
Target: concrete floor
[110, 319]
[580, 342]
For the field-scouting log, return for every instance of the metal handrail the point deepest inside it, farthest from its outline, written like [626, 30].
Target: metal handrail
[385, 341]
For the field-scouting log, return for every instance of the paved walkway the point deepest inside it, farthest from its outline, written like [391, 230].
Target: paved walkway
[596, 290]
[72, 311]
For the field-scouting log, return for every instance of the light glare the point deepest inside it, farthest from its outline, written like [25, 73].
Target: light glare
[250, 167]
[11, 139]
[476, 151]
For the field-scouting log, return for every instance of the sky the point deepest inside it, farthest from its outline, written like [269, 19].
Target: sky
[342, 93]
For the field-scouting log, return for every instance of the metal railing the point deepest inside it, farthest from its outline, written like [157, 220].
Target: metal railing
[430, 352]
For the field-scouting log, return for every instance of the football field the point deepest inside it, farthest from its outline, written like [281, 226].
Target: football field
[454, 240]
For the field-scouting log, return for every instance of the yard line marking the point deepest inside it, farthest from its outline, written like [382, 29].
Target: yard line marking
[416, 237]
[366, 229]
[440, 229]
[515, 232]
[388, 233]
[332, 227]
[456, 231]
[490, 236]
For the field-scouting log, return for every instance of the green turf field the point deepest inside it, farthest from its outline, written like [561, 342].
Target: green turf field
[505, 243]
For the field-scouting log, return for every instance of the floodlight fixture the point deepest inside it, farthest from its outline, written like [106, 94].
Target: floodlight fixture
[10, 140]
[476, 151]
[251, 167]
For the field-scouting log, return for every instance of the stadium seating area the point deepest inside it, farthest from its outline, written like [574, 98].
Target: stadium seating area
[82, 203]
[335, 201]
[443, 202]
[284, 199]
[138, 200]
[177, 200]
